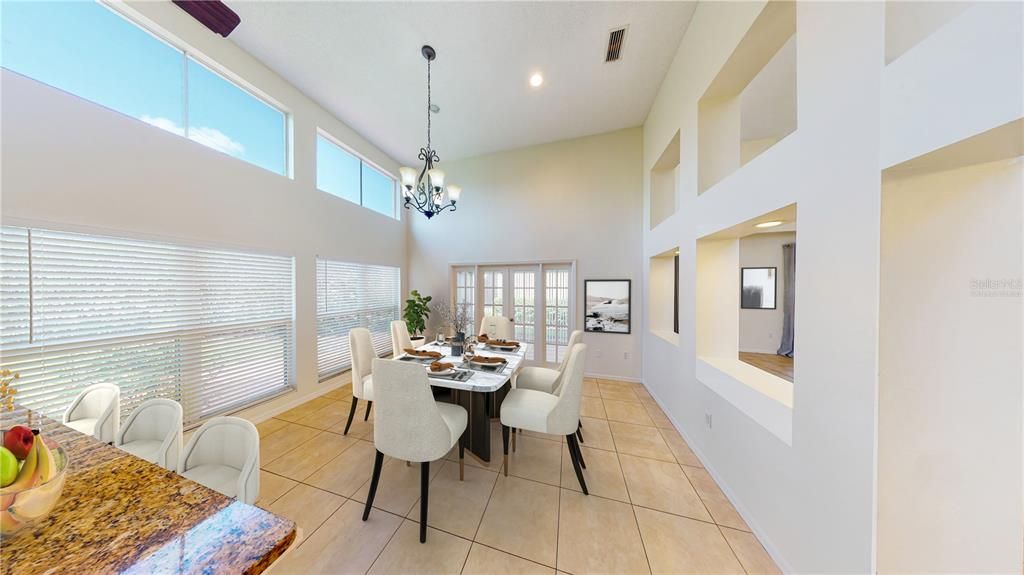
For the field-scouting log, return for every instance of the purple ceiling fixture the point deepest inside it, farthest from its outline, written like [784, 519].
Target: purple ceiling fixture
[213, 14]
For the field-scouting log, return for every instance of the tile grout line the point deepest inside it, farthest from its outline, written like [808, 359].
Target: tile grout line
[632, 506]
[734, 554]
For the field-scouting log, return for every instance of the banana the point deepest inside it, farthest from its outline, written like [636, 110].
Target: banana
[47, 464]
[29, 474]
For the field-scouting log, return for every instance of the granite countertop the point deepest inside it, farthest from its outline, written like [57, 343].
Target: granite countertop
[121, 514]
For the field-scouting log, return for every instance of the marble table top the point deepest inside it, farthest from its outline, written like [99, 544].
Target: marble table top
[480, 381]
[121, 514]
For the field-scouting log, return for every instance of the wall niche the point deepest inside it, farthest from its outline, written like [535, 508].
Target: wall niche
[751, 104]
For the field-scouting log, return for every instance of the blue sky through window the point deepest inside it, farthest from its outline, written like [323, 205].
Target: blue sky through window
[337, 171]
[87, 50]
[378, 191]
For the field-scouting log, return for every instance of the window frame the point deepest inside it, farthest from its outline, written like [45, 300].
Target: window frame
[187, 52]
[331, 139]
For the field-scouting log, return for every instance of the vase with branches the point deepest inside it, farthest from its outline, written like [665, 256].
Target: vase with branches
[455, 317]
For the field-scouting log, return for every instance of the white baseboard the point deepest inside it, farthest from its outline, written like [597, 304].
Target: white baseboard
[261, 412]
[614, 377]
[770, 547]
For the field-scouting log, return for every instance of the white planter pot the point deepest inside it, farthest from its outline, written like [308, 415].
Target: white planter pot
[418, 341]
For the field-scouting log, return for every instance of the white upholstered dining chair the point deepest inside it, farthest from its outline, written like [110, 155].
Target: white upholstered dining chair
[544, 378]
[224, 455]
[361, 348]
[153, 432]
[497, 327]
[555, 413]
[410, 425]
[96, 411]
[400, 339]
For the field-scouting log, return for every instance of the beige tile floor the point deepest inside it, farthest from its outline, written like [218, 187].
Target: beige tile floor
[652, 508]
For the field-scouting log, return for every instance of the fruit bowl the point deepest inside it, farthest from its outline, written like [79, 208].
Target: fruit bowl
[26, 503]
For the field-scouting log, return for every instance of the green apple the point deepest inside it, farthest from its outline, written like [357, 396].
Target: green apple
[8, 467]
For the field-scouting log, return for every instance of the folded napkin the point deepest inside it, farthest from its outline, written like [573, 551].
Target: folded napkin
[418, 353]
[487, 360]
[441, 366]
[503, 342]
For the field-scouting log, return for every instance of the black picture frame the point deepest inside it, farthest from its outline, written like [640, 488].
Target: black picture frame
[609, 319]
[747, 297]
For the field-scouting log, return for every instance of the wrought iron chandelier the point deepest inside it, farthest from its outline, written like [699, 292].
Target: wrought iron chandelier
[427, 191]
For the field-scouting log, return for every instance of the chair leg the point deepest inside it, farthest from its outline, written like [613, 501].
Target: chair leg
[513, 440]
[462, 458]
[504, 441]
[424, 488]
[574, 448]
[579, 432]
[367, 416]
[351, 414]
[571, 438]
[378, 462]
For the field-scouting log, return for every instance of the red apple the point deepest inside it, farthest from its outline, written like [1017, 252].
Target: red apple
[19, 440]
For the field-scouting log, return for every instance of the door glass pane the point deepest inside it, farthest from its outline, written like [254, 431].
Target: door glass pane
[494, 292]
[523, 290]
[556, 311]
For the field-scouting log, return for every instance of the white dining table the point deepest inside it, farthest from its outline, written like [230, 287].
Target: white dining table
[481, 393]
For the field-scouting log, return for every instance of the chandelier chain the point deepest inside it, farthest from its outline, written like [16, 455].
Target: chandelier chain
[428, 104]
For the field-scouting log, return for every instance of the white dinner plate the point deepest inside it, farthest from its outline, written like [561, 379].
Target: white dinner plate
[483, 364]
[503, 347]
[445, 372]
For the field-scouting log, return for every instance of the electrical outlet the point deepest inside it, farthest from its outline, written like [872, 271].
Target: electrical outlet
[625, 355]
[707, 420]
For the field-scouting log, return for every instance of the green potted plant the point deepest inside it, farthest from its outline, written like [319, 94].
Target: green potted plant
[417, 310]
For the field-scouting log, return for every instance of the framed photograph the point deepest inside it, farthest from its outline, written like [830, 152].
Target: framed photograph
[606, 306]
[758, 288]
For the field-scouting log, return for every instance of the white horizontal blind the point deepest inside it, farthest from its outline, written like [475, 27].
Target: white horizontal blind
[211, 329]
[352, 295]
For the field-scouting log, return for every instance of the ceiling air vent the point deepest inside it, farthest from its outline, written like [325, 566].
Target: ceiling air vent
[615, 40]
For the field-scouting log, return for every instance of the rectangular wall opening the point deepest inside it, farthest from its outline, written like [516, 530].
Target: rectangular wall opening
[751, 104]
[665, 183]
[744, 302]
[663, 296]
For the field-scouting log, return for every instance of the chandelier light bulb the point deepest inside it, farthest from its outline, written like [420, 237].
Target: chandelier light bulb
[408, 177]
[436, 176]
[454, 192]
[536, 80]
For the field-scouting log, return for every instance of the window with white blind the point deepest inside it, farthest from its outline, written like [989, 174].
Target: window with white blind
[211, 329]
[352, 295]
[524, 297]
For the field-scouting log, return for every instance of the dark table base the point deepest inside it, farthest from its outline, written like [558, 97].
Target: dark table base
[481, 407]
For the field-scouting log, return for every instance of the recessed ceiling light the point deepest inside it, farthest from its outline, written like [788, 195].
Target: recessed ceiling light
[771, 224]
[536, 80]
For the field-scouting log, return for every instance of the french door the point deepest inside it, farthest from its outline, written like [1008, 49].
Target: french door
[538, 297]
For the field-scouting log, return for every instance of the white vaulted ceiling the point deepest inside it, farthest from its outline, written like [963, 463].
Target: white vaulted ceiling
[361, 61]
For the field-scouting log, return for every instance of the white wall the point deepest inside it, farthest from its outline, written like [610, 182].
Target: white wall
[950, 392]
[73, 165]
[760, 329]
[810, 503]
[812, 500]
[570, 200]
